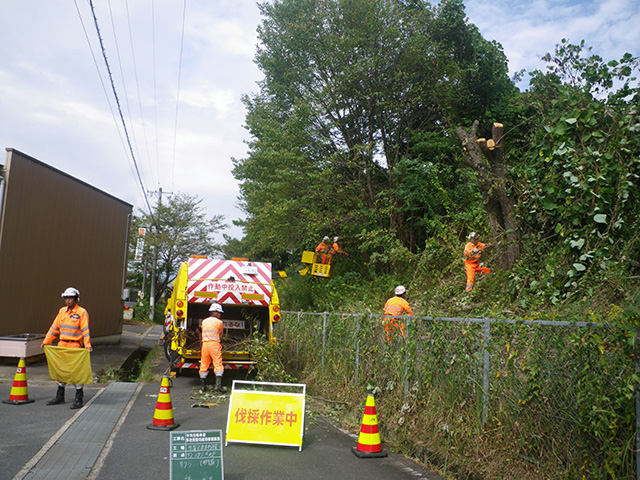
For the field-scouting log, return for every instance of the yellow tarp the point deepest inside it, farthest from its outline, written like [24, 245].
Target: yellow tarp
[69, 365]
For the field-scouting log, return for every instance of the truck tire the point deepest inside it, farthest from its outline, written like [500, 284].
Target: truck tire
[171, 355]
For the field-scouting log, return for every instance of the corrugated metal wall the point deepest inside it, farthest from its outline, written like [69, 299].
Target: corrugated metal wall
[55, 232]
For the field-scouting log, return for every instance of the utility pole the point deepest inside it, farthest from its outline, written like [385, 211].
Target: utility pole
[154, 264]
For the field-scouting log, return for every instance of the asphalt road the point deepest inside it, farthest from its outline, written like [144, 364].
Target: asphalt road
[134, 451]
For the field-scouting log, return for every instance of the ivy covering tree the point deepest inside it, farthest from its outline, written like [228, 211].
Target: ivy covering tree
[577, 180]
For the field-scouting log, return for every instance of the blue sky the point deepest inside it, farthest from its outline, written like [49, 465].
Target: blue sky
[53, 104]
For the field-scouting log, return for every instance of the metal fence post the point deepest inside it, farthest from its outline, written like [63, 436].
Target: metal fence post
[297, 342]
[355, 375]
[485, 371]
[324, 338]
[637, 339]
[406, 361]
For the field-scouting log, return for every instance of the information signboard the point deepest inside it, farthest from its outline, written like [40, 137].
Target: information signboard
[266, 413]
[196, 455]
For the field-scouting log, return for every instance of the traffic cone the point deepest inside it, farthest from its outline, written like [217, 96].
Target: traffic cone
[163, 416]
[369, 445]
[19, 394]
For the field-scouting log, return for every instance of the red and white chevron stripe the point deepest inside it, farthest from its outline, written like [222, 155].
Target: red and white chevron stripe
[230, 282]
[227, 366]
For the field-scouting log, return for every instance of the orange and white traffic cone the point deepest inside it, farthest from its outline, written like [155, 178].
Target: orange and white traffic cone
[19, 394]
[369, 445]
[163, 416]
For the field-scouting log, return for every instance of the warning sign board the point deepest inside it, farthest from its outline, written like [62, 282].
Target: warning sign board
[266, 413]
[196, 455]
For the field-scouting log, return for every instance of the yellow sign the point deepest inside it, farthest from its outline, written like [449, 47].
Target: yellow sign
[271, 416]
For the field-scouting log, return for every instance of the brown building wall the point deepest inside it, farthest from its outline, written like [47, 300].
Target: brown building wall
[56, 232]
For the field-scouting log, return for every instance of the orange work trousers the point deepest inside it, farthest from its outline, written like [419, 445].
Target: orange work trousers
[393, 327]
[472, 268]
[211, 352]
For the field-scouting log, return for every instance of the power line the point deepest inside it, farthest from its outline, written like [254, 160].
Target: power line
[124, 84]
[155, 90]
[124, 125]
[175, 130]
[104, 88]
[135, 71]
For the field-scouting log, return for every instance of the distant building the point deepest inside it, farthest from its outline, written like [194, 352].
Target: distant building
[57, 231]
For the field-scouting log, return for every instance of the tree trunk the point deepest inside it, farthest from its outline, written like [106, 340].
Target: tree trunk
[486, 158]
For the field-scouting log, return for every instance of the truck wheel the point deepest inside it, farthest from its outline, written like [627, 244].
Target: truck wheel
[170, 355]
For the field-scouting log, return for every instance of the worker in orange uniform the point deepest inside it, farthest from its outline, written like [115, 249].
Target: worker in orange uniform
[335, 250]
[323, 249]
[211, 349]
[472, 252]
[396, 306]
[71, 325]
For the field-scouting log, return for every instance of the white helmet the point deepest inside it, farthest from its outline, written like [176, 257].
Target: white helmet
[472, 235]
[325, 239]
[70, 292]
[335, 239]
[400, 290]
[216, 307]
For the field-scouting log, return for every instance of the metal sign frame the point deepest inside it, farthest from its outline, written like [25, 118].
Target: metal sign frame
[260, 426]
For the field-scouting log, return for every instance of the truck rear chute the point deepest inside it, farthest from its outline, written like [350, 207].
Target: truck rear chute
[250, 302]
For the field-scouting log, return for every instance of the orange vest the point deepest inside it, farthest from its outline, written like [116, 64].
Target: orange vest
[469, 256]
[322, 248]
[397, 306]
[212, 329]
[71, 325]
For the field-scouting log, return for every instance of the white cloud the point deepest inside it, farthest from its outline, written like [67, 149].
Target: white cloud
[528, 30]
[53, 104]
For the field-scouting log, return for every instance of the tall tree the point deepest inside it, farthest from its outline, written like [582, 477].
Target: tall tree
[178, 228]
[486, 157]
[347, 86]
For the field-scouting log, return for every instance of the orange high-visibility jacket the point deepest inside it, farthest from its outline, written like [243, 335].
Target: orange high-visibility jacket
[469, 256]
[397, 306]
[211, 348]
[322, 248]
[336, 249]
[212, 329]
[71, 325]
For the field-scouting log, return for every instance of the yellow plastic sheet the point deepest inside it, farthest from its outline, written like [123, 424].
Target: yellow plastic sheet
[69, 365]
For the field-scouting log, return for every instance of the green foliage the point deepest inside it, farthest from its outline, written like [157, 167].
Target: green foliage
[347, 129]
[271, 360]
[578, 179]
[178, 228]
[560, 403]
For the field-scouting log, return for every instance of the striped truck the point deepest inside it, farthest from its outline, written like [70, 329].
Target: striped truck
[246, 292]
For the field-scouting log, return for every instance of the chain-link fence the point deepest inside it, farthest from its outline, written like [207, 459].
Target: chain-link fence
[529, 399]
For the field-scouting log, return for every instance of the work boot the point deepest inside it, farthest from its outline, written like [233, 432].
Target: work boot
[203, 385]
[59, 398]
[77, 402]
[218, 386]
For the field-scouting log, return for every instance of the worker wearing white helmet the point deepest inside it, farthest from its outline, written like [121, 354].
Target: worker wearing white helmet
[323, 250]
[396, 306]
[71, 327]
[336, 249]
[211, 348]
[472, 252]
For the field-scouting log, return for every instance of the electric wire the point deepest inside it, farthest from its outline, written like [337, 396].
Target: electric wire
[135, 71]
[124, 84]
[124, 125]
[175, 130]
[104, 88]
[155, 89]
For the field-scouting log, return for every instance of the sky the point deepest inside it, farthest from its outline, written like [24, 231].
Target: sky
[180, 73]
